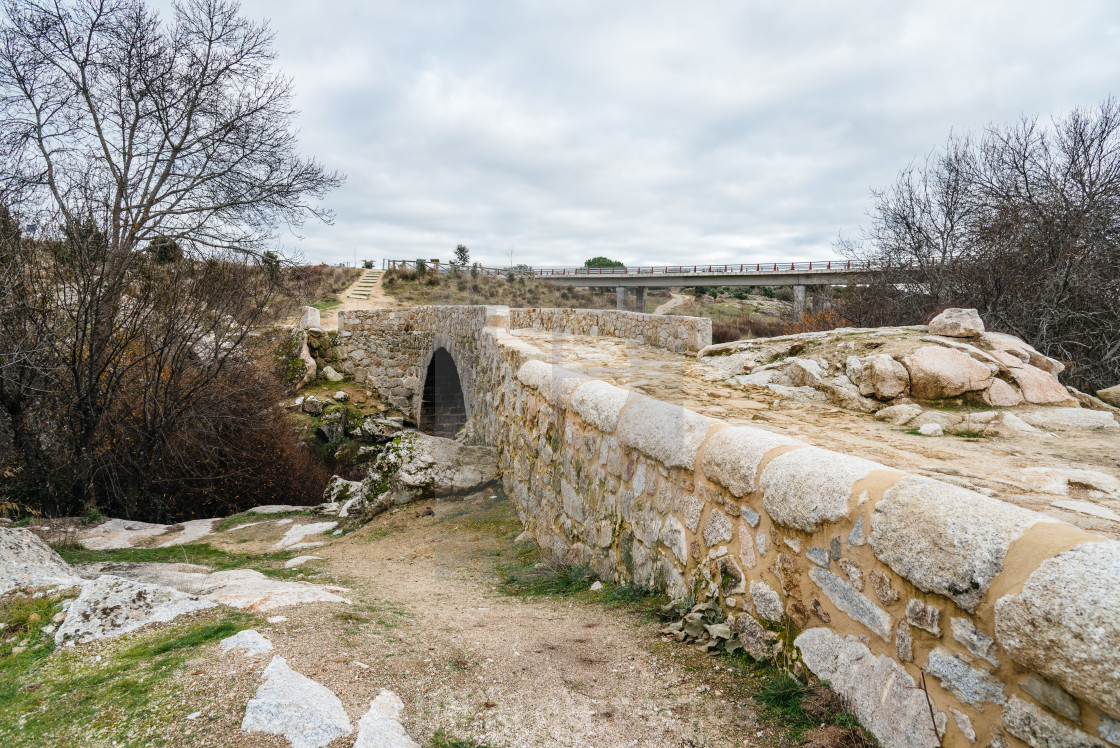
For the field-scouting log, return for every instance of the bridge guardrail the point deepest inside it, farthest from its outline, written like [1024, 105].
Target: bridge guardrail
[841, 266]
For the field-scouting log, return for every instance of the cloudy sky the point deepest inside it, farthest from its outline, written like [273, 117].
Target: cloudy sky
[654, 132]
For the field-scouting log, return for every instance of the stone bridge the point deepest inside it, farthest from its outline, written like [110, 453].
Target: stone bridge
[867, 575]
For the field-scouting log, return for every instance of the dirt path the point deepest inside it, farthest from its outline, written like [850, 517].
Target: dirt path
[377, 299]
[431, 622]
[676, 300]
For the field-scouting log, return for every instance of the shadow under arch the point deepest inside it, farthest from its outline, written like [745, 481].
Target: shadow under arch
[443, 409]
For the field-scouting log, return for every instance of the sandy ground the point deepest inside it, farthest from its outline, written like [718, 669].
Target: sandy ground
[994, 464]
[430, 622]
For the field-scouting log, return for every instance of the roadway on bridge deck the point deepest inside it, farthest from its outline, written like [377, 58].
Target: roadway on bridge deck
[986, 464]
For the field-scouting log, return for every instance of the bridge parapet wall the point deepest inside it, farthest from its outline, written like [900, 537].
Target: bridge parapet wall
[675, 333]
[867, 575]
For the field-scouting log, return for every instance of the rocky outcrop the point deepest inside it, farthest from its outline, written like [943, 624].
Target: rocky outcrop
[937, 373]
[112, 606]
[27, 562]
[957, 323]
[1110, 395]
[419, 466]
[381, 727]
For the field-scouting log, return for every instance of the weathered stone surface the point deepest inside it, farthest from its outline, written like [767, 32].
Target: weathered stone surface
[296, 534]
[434, 466]
[332, 374]
[692, 507]
[808, 487]
[759, 643]
[975, 640]
[732, 456]
[881, 583]
[1002, 395]
[193, 531]
[1085, 507]
[1063, 624]
[600, 403]
[964, 724]
[112, 606]
[767, 602]
[967, 684]
[878, 375]
[957, 323]
[924, 616]
[858, 607]
[1052, 697]
[761, 542]
[819, 556]
[881, 693]
[717, 529]
[26, 561]
[904, 642]
[278, 509]
[238, 588]
[937, 372]
[118, 533]
[945, 539]
[670, 434]
[298, 561]
[290, 704]
[1110, 730]
[1040, 387]
[381, 727]
[1064, 419]
[857, 537]
[674, 538]
[312, 405]
[1036, 728]
[852, 572]
[249, 642]
[747, 552]
[931, 429]
[309, 317]
[1111, 395]
[899, 415]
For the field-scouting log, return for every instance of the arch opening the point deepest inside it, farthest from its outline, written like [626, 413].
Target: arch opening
[443, 409]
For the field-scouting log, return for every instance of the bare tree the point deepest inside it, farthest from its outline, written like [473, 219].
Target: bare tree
[1023, 224]
[120, 133]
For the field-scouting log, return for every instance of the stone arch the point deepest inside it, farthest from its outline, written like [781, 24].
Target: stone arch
[443, 407]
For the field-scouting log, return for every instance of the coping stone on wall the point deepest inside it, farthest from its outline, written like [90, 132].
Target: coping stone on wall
[732, 456]
[666, 432]
[555, 383]
[946, 539]
[808, 487]
[600, 404]
[1062, 625]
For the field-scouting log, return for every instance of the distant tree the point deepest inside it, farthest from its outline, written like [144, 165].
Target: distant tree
[1022, 223]
[462, 255]
[367, 264]
[164, 249]
[602, 262]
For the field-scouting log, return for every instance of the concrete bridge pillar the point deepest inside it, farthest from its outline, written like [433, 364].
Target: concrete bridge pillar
[620, 296]
[799, 300]
[640, 299]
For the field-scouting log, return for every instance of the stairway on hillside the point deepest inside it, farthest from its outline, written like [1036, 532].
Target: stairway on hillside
[362, 288]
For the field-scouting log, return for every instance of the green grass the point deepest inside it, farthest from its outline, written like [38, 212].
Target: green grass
[66, 697]
[442, 739]
[800, 707]
[271, 564]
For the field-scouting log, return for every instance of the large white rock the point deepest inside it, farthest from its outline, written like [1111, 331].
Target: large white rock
[434, 466]
[238, 588]
[555, 383]
[249, 642]
[309, 317]
[808, 487]
[878, 375]
[118, 533]
[664, 431]
[1063, 419]
[291, 704]
[381, 726]
[1040, 387]
[881, 692]
[1002, 395]
[937, 372]
[732, 456]
[112, 606]
[296, 533]
[26, 561]
[946, 539]
[1065, 623]
[899, 415]
[193, 531]
[957, 323]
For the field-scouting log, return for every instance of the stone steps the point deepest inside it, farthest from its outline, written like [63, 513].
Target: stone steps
[361, 290]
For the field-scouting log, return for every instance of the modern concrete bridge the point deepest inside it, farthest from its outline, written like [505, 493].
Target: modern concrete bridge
[798, 275]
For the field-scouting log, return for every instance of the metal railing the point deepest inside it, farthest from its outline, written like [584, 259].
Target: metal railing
[835, 266]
